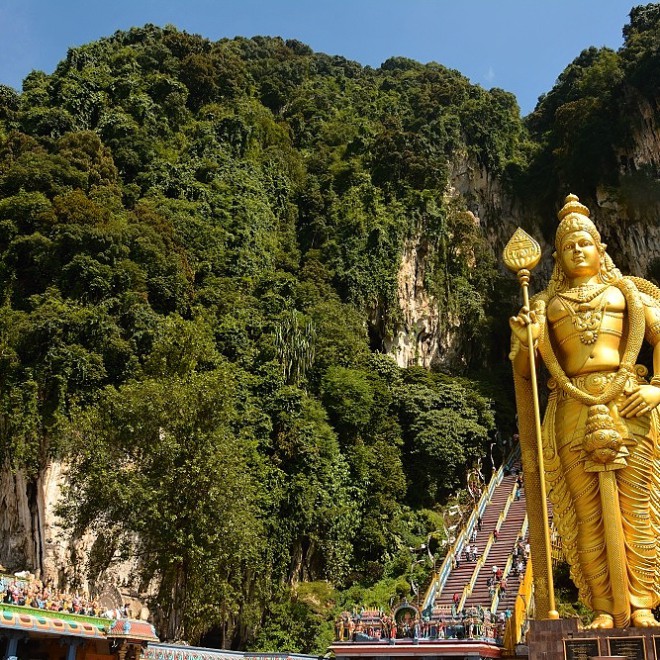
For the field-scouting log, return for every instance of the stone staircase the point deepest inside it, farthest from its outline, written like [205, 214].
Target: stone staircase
[498, 552]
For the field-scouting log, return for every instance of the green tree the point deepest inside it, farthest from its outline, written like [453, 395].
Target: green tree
[146, 454]
[201, 248]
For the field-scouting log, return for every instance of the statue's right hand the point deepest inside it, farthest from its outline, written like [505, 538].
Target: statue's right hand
[519, 325]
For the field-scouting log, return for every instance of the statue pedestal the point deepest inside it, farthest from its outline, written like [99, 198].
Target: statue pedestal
[561, 640]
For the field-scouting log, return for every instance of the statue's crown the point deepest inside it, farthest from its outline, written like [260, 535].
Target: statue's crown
[572, 205]
[574, 216]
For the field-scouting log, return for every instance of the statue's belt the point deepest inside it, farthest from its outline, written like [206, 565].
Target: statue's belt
[601, 435]
[594, 383]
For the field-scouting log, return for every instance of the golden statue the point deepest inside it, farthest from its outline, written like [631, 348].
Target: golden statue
[601, 425]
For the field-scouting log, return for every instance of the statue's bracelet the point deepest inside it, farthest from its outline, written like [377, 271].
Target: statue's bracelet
[655, 381]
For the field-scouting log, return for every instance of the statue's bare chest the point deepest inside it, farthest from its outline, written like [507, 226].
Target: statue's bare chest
[576, 304]
[586, 327]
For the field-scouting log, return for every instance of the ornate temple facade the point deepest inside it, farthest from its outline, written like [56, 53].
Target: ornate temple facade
[26, 632]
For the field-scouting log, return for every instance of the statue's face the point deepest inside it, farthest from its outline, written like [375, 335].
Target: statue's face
[579, 255]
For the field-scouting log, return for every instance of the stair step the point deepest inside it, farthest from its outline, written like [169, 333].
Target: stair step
[499, 552]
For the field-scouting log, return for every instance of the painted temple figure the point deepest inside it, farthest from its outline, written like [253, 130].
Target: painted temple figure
[601, 424]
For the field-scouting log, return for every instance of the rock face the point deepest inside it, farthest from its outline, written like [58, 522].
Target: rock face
[417, 340]
[32, 535]
[628, 219]
[54, 538]
[632, 241]
[426, 335]
[645, 149]
[19, 533]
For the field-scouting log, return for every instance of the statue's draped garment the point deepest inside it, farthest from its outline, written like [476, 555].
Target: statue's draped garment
[574, 484]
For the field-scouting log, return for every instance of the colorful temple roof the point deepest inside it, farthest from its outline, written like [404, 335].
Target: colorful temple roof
[133, 630]
[27, 619]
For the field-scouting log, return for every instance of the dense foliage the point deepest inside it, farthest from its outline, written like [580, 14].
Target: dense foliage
[583, 128]
[201, 243]
[200, 247]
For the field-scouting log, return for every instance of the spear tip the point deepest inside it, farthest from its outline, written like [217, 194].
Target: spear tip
[522, 251]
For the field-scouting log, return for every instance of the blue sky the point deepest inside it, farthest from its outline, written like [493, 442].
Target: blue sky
[518, 45]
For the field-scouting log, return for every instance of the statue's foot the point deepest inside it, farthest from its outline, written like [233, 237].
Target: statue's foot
[643, 619]
[601, 622]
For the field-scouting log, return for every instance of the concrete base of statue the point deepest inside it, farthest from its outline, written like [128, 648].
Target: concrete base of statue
[563, 640]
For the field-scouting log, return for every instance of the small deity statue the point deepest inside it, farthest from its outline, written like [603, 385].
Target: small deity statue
[601, 425]
[339, 627]
[351, 630]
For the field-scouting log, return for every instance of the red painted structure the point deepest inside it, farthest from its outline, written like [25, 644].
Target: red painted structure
[454, 649]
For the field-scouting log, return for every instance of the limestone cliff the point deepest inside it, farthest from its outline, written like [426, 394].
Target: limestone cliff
[627, 217]
[430, 334]
[33, 535]
[644, 151]
[417, 339]
[20, 536]
[34, 538]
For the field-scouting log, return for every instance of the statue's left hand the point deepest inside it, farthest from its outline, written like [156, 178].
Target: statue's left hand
[641, 402]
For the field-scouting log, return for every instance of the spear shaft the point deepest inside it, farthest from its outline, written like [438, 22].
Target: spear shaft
[521, 254]
[523, 277]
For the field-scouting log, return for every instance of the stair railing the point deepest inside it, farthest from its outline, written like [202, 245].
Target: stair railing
[505, 511]
[467, 590]
[507, 568]
[469, 587]
[440, 578]
[521, 610]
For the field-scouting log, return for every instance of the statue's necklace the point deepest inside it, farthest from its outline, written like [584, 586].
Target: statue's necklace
[636, 326]
[586, 318]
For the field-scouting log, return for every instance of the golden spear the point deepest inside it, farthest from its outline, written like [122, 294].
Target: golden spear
[521, 255]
